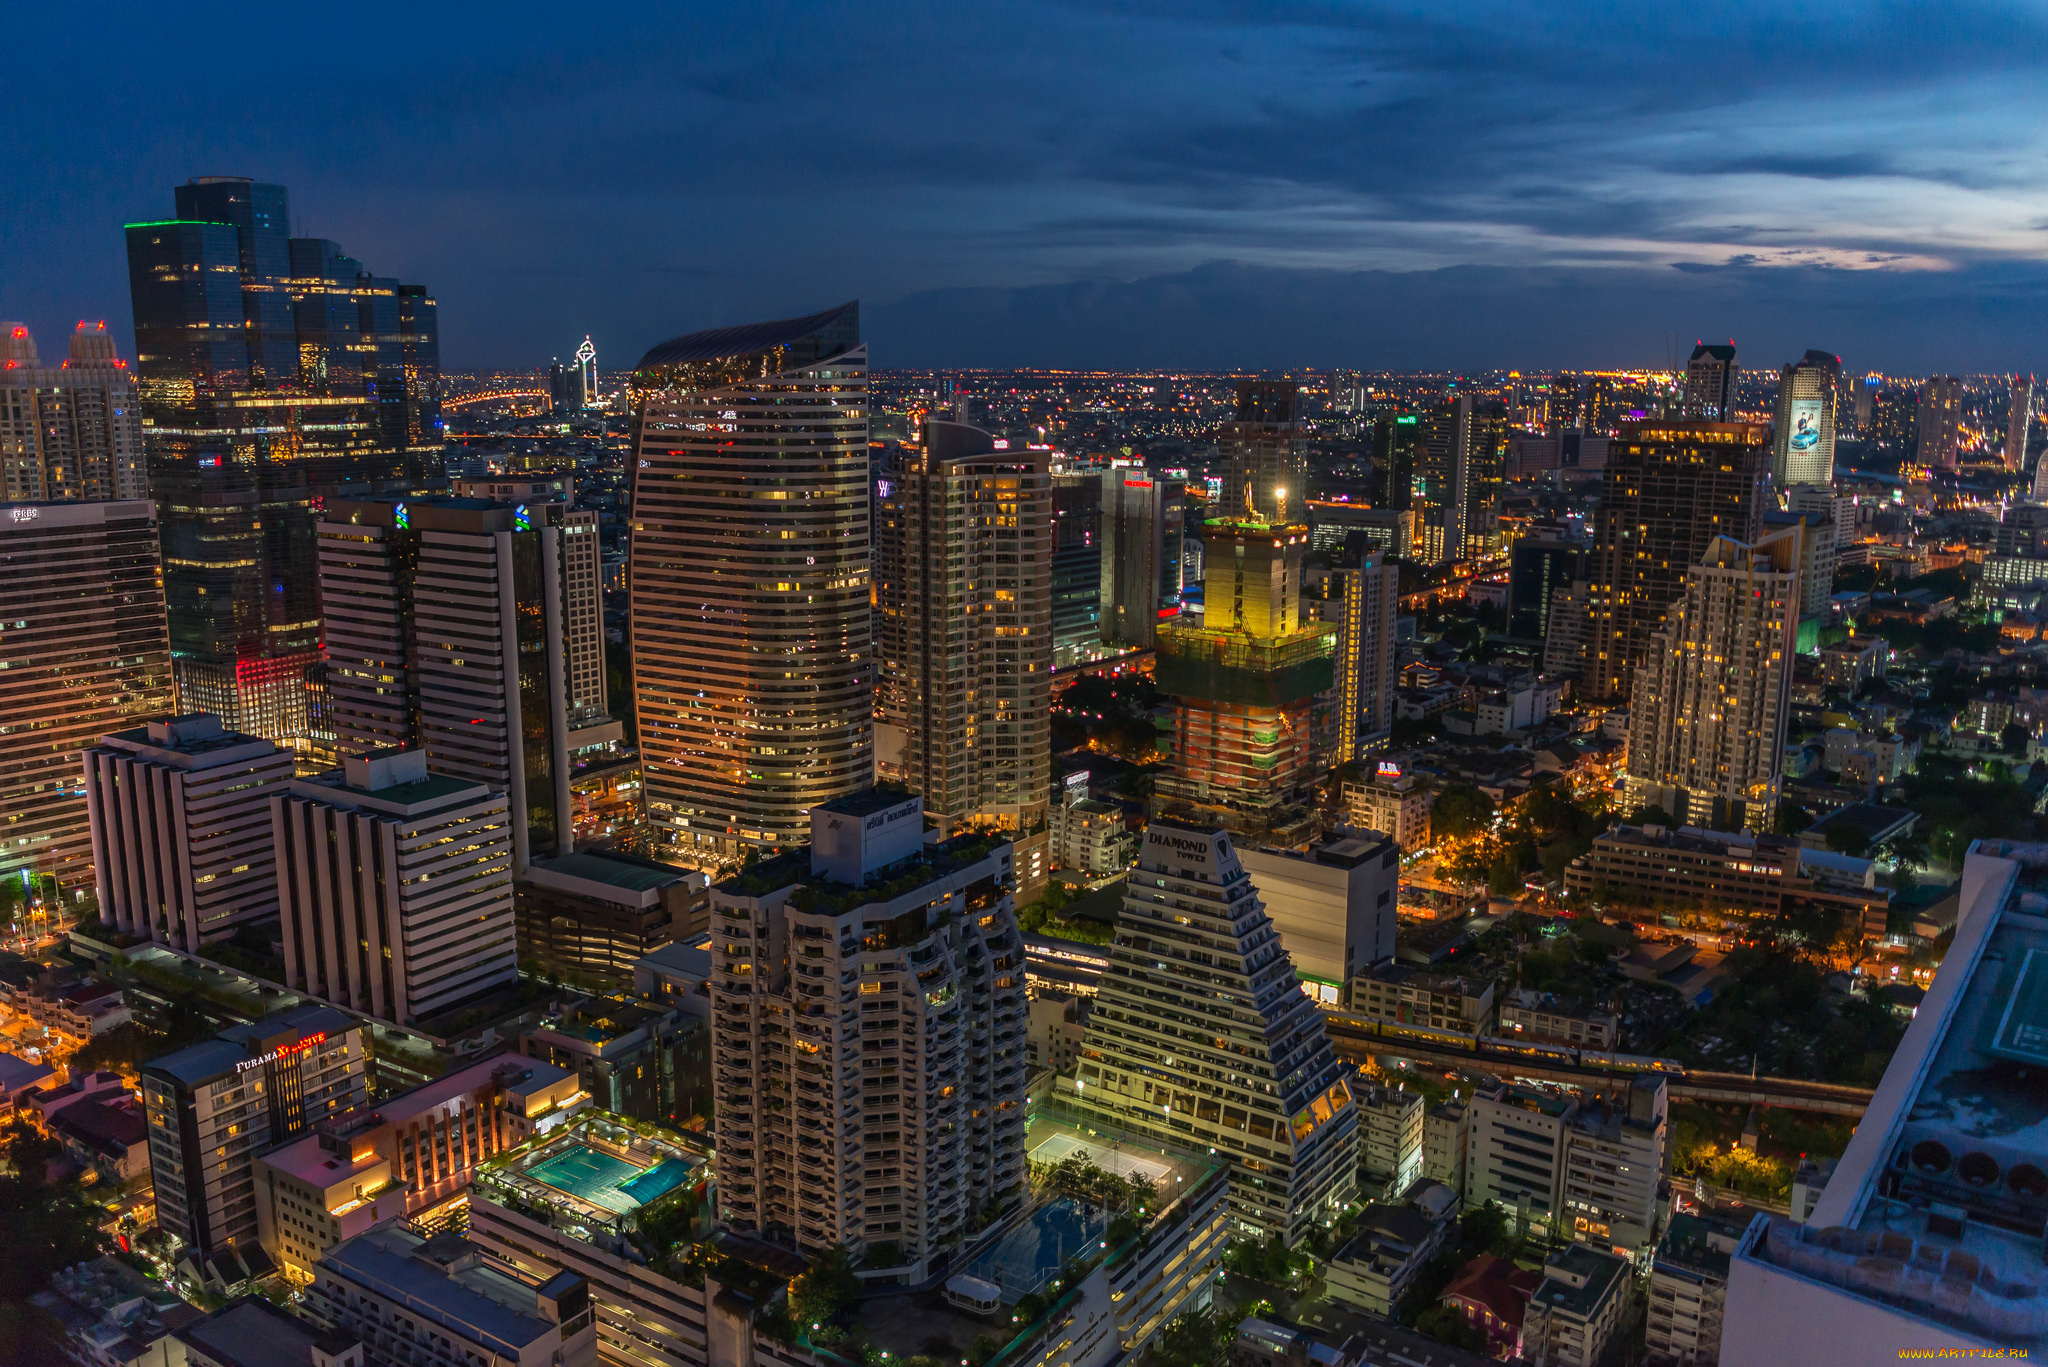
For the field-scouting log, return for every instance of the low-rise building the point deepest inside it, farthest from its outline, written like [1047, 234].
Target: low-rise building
[1689, 1288]
[1848, 665]
[1089, 837]
[402, 1155]
[109, 1315]
[1261, 1343]
[679, 974]
[590, 917]
[1392, 1246]
[1576, 1309]
[1413, 996]
[443, 1301]
[1515, 1147]
[641, 1057]
[111, 1137]
[1532, 1015]
[1493, 1296]
[251, 1332]
[1389, 1140]
[20, 1080]
[76, 1010]
[1693, 868]
[1391, 801]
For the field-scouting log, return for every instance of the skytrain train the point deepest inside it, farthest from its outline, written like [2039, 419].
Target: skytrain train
[1343, 1024]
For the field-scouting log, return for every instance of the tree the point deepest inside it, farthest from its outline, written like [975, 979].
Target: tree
[1447, 1324]
[1791, 818]
[1198, 1338]
[825, 1289]
[1461, 810]
[2013, 739]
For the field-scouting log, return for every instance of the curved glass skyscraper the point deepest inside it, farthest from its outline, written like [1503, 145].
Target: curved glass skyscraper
[749, 582]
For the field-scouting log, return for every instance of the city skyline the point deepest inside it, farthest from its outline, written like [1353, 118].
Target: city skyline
[1672, 175]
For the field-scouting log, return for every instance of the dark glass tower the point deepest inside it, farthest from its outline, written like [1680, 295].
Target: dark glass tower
[273, 372]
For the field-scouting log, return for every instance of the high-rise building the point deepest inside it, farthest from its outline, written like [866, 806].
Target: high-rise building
[1201, 1036]
[271, 372]
[869, 1016]
[82, 654]
[1538, 566]
[749, 570]
[213, 1106]
[1562, 409]
[1333, 904]
[69, 431]
[394, 887]
[1710, 379]
[1264, 451]
[1397, 445]
[1603, 405]
[1668, 490]
[963, 594]
[449, 626]
[564, 392]
[582, 578]
[2019, 416]
[1141, 555]
[1803, 440]
[1895, 419]
[1245, 685]
[181, 839]
[1461, 461]
[1076, 568]
[1943, 1194]
[1938, 422]
[1711, 699]
[1369, 602]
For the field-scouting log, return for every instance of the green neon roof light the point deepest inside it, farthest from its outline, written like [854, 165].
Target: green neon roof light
[180, 223]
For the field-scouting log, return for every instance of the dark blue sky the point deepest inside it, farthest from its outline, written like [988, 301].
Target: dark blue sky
[1184, 183]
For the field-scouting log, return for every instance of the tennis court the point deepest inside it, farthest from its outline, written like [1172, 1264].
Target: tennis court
[1119, 1161]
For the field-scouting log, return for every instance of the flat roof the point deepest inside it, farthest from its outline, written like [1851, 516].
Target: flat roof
[1599, 1271]
[618, 873]
[251, 1332]
[868, 801]
[476, 1305]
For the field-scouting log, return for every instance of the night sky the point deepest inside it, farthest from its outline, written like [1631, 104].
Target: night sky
[1175, 184]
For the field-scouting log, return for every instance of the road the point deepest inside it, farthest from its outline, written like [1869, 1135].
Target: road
[1731, 1088]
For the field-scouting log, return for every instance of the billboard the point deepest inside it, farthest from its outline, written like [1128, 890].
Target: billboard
[1804, 420]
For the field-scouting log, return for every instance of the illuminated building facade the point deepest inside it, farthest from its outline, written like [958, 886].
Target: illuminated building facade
[1803, 441]
[1668, 491]
[1711, 699]
[270, 371]
[213, 1106]
[749, 582]
[1710, 379]
[68, 431]
[1364, 664]
[83, 654]
[1938, 422]
[394, 887]
[1461, 459]
[2019, 417]
[448, 624]
[1141, 555]
[1245, 685]
[1264, 453]
[963, 562]
[1231, 1055]
[586, 375]
[869, 1024]
[1076, 569]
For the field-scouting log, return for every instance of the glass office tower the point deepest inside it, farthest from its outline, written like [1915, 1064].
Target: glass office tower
[272, 372]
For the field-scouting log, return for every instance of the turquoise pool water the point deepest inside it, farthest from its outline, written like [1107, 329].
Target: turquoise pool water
[602, 1180]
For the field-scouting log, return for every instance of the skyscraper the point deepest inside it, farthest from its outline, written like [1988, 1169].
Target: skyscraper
[1938, 423]
[1895, 419]
[869, 1014]
[749, 581]
[1710, 378]
[1076, 568]
[1245, 684]
[1538, 566]
[963, 579]
[2019, 416]
[1201, 1035]
[82, 654]
[1141, 554]
[1708, 711]
[1461, 459]
[1669, 489]
[586, 374]
[447, 623]
[1364, 666]
[72, 431]
[1803, 440]
[270, 371]
[1264, 454]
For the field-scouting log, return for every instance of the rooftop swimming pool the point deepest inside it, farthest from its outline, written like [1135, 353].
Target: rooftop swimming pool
[603, 1180]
